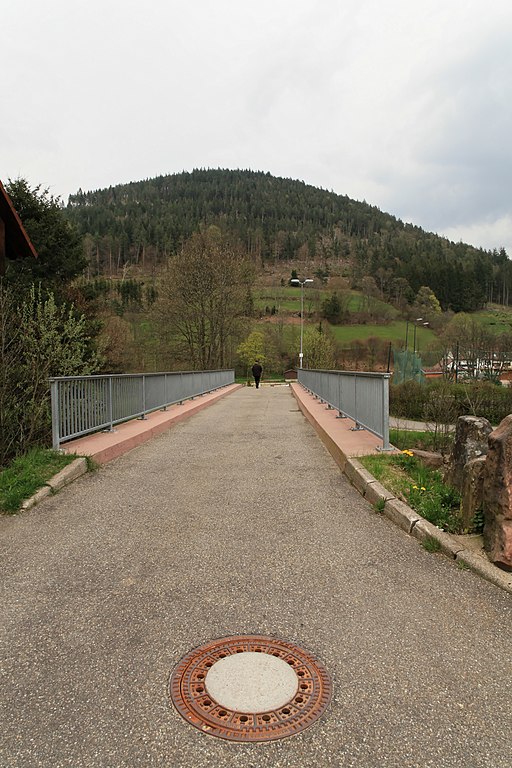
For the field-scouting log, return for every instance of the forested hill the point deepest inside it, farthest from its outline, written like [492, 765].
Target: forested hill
[281, 219]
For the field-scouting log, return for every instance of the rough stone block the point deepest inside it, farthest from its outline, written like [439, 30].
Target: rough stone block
[472, 490]
[429, 458]
[401, 514]
[471, 442]
[497, 495]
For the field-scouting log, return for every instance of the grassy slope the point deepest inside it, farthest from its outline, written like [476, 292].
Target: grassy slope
[498, 319]
[286, 299]
[394, 332]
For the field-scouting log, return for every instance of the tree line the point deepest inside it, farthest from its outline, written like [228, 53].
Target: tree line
[276, 219]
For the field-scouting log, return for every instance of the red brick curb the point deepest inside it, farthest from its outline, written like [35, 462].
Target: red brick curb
[105, 446]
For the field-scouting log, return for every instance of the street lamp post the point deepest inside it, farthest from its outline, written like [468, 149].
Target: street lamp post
[418, 320]
[302, 283]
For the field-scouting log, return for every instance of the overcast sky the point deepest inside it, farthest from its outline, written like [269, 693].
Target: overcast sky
[407, 105]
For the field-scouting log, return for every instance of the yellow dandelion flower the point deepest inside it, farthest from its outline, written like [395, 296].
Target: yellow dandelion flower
[423, 488]
[415, 487]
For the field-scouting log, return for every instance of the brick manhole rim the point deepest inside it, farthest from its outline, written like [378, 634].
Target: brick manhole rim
[188, 692]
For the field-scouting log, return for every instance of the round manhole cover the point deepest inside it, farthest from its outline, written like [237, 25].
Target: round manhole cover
[250, 688]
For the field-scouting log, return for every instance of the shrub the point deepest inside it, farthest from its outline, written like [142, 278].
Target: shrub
[38, 339]
[441, 399]
[408, 400]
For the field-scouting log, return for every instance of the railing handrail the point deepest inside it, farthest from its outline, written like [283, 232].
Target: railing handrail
[133, 375]
[360, 374]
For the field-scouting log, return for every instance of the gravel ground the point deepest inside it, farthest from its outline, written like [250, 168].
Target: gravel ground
[238, 521]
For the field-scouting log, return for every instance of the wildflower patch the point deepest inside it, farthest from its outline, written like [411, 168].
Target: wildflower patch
[423, 489]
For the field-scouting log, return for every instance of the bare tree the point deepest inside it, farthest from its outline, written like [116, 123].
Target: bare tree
[203, 295]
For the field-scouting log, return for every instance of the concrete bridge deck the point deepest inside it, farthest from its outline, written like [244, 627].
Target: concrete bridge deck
[238, 521]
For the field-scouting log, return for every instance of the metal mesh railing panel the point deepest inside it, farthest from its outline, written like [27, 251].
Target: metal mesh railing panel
[363, 397]
[84, 404]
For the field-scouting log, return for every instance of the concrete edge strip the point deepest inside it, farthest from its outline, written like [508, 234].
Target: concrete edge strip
[399, 513]
[71, 472]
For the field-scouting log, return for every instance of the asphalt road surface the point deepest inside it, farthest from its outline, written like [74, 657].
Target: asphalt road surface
[238, 521]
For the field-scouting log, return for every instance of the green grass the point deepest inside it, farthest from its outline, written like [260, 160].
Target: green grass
[405, 438]
[287, 298]
[27, 474]
[496, 318]
[394, 332]
[357, 302]
[421, 488]
[431, 544]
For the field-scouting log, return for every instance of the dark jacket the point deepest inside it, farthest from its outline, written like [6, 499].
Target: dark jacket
[257, 370]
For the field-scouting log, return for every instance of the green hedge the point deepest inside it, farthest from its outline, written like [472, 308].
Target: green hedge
[411, 400]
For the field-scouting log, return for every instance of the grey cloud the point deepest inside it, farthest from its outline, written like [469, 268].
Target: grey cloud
[408, 109]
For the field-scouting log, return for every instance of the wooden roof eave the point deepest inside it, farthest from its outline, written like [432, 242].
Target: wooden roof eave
[14, 240]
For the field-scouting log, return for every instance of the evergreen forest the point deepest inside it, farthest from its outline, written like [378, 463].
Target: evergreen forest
[276, 220]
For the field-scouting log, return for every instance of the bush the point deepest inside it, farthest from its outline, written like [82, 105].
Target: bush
[38, 339]
[408, 400]
[411, 400]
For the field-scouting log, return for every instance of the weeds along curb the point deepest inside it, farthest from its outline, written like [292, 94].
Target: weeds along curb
[76, 469]
[412, 523]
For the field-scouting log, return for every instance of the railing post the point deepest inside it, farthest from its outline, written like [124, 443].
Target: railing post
[357, 427]
[341, 414]
[110, 405]
[165, 393]
[143, 416]
[385, 414]
[54, 391]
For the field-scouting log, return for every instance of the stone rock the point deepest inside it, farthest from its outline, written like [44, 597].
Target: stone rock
[497, 494]
[428, 458]
[472, 490]
[471, 434]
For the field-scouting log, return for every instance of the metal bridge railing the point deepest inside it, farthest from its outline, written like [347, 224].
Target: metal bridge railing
[362, 397]
[84, 404]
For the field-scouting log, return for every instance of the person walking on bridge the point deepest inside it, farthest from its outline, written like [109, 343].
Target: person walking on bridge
[257, 370]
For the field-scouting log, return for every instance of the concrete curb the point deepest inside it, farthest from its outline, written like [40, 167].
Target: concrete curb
[398, 512]
[76, 469]
[412, 523]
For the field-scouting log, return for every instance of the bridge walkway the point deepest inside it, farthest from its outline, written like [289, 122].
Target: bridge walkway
[238, 521]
